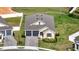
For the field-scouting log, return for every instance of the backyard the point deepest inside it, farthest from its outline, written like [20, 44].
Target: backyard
[13, 21]
[64, 24]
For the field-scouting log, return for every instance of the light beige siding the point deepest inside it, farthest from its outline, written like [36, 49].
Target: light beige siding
[49, 31]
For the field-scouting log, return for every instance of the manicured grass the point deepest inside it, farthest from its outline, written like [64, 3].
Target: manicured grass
[18, 35]
[32, 10]
[14, 21]
[64, 25]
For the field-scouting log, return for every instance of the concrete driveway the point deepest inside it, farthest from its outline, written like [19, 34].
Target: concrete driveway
[10, 41]
[31, 41]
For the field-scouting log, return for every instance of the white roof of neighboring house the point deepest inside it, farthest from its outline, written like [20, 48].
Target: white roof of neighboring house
[73, 36]
[2, 25]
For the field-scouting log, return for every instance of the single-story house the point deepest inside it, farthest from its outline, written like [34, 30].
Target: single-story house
[39, 26]
[5, 30]
[7, 12]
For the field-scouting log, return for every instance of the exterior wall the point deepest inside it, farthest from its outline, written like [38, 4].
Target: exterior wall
[16, 28]
[44, 34]
[49, 31]
[5, 32]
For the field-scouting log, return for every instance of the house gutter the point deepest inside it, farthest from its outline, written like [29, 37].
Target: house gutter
[73, 9]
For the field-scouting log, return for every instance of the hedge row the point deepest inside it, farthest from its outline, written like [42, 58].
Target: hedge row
[49, 40]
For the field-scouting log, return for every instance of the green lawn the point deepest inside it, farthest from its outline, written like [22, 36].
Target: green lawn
[19, 34]
[14, 21]
[64, 25]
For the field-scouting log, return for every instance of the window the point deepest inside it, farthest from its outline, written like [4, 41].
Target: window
[35, 33]
[3, 32]
[8, 32]
[28, 33]
[49, 35]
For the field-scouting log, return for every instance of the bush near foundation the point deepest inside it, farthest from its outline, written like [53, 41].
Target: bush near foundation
[49, 40]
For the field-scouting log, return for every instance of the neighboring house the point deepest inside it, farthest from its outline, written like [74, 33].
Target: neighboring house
[6, 33]
[39, 26]
[7, 12]
[75, 39]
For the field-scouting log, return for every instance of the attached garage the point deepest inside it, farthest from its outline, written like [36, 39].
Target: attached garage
[6, 32]
[3, 32]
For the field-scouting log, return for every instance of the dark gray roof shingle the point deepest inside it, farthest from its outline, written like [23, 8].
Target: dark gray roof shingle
[47, 19]
[4, 22]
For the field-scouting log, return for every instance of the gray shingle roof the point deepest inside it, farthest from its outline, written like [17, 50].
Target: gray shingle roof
[5, 27]
[47, 19]
[35, 27]
[4, 22]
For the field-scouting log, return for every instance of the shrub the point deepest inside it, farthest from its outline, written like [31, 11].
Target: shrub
[23, 36]
[49, 40]
[13, 34]
[74, 16]
[57, 34]
[71, 48]
[71, 15]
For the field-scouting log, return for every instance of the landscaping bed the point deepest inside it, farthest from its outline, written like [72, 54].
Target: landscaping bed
[49, 40]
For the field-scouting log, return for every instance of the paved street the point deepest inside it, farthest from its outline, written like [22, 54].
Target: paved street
[10, 41]
[31, 41]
